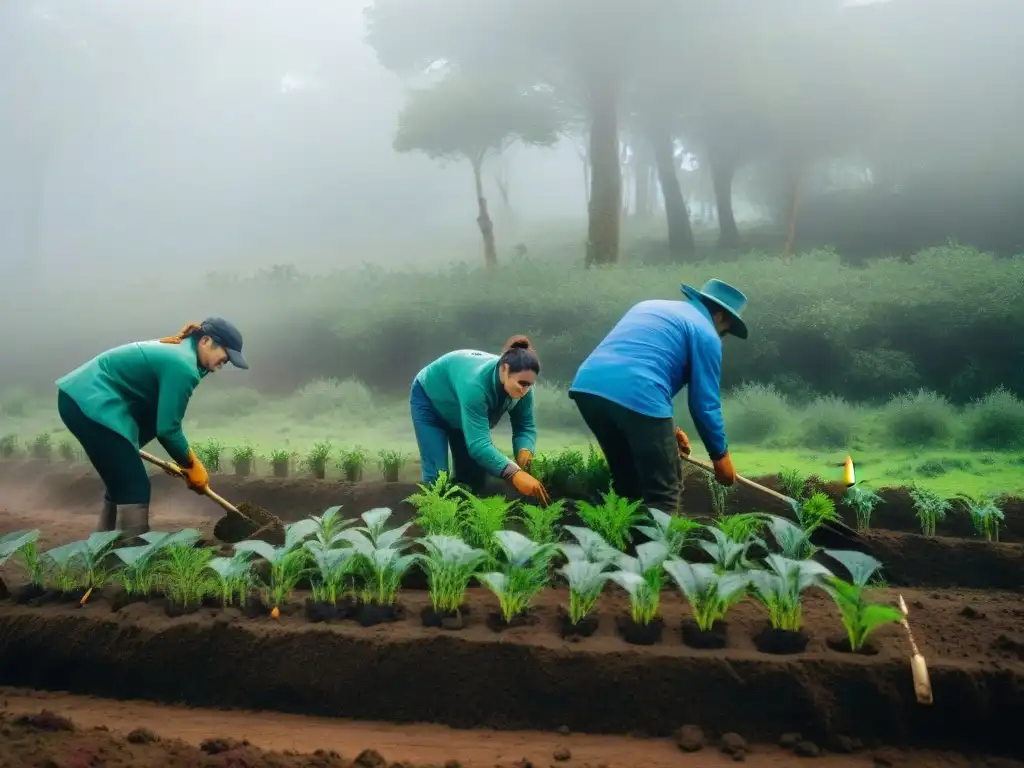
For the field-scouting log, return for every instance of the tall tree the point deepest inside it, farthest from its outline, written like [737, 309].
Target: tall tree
[471, 118]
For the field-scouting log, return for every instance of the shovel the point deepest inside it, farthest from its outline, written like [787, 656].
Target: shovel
[237, 525]
[918, 666]
[840, 528]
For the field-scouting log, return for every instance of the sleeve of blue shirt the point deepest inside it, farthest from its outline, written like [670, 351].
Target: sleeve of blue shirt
[524, 430]
[704, 392]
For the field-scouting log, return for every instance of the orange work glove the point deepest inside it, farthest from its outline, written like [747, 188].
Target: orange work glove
[724, 472]
[528, 485]
[524, 458]
[683, 442]
[196, 476]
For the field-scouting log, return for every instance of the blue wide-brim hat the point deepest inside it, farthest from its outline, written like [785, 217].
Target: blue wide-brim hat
[725, 297]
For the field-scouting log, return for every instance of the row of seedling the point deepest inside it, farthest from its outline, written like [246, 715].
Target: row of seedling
[42, 448]
[356, 571]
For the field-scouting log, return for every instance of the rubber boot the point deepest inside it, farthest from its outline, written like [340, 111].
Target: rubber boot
[108, 517]
[134, 521]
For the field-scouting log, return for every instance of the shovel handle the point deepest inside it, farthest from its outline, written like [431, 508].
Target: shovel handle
[174, 469]
[743, 481]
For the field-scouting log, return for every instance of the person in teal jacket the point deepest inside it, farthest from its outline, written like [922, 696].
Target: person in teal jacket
[456, 401]
[125, 397]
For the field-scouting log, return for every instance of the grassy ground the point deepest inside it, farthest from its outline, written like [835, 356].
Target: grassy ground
[354, 417]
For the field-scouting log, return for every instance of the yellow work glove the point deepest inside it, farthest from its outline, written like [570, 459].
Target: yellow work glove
[683, 442]
[528, 485]
[524, 458]
[196, 476]
[724, 472]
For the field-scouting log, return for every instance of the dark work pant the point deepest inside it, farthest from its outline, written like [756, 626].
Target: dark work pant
[114, 458]
[434, 437]
[641, 451]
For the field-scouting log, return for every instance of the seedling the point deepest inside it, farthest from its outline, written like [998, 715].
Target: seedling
[439, 507]
[8, 446]
[816, 511]
[728, 554]
[280, 460]
[863, 501]
[333, 566]
[930, 508]
[328, 526]
[985, 514]
[449, 563]
[242, 457]
[541, 523]
[60, 564]
[352, 463]
[375, 531]
[641, 577]
[586, 581]
[67, 451]
[719, 495]
[316, 460]
[597, 478]
[209, 452]
[287, 562]
[590, 547]
[614, 518]
[391, 463]
[525, 573]
[709, 594]
[234, 577]
[793, 483]
[484, 518]
[781, 586]
[22, 544]
[42, 446]
[93, 552]
[741, 527]
[860, 618]
[139, 573]
[793, 541]
[183, 574]
[673, 530]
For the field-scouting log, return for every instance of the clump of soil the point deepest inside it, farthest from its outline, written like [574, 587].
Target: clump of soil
[496, 621]
[585, 627]
[713, 639]
[640, 634]
[781, 642]
[450, 620]
[253, 522]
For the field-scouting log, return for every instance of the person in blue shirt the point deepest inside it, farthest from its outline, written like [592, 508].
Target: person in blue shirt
[624, 390]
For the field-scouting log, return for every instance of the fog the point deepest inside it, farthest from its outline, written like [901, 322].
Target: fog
[150, 144]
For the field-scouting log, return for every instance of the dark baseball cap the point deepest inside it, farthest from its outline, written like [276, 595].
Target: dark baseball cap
[226, 335]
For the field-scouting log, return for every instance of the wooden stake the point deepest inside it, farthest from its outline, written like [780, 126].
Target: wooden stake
[918, 666]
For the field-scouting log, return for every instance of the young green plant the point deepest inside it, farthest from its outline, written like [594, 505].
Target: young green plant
[22, 545]
[860, 618]
[793, 483]
[742, 526]
[484, 518]
[719, 495]
[727, 553]
[710, 594]
[674, 530]
[590, 546]
[288, 563]
[863, 502]
[234, 577]
[390, 464]
[985, 513]
[780, 588]
[183, 574]
[815, 511]
[614, 518]
[930, 508]
[439, 507]
[449, 563]
[352, 463]
[333, 566]
[586, 580]
[524, 574]
[316, 460]
[641, 577]
[541, 523]
[138, 574]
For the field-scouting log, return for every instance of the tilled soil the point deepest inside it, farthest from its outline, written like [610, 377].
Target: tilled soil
[53, 729]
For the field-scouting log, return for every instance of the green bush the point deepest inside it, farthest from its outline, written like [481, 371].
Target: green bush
[829, 422]
[342, 400]
[996, 421]
[754, 413]
[919, 418]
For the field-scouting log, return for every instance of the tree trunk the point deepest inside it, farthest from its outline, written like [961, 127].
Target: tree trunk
[722, 172]
[643, 179]
[606, 177]
[680, 232]
[626, 176]
[483, 218]
[794, 204]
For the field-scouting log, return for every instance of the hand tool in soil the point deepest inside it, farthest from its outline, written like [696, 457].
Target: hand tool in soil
[247, 521]
[839, 527]
[918, 666]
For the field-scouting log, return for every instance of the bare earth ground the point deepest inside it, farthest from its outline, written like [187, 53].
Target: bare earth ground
[958, 626]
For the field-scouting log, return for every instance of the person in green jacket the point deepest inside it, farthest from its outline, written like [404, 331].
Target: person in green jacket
[456, 401]
[125, 397]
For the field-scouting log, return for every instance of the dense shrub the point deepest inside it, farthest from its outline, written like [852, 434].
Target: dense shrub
[829, 422]
[996, 421]
[919, 418]
[756, 413]
[342, 400]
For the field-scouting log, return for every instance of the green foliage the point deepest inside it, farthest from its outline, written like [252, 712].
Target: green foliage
[484, 518]
[757, 413]
[243, 454]
[614, 518]
[67, 451]
[352, 463]
[815, 511]
[860, 618]
[828, 422]
[42, 446]
[930, 508]
[985, 513]
[586, 580]
[524, 573]
[863, 502]
[316, 460]
[22, 544]
[793, 483]
[184, 574]
[209, 452]
[234, 577]
[450, 563]
[674, 531]
[709, 593]
[719, 495]
[541, 523]
[8, 446]
[440, 507]
[920, 418]
[996, 421]
[781, 585]
[390, 463]
[642, 577]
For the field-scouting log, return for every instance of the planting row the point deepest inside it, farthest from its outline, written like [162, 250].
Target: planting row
[356, 571]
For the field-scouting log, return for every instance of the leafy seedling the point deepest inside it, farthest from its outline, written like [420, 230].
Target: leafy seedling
[525, 573]
[22, 545]
[781, 586]
[183, 574]
[710, 594]
[586, 581]
[863, 502]
[332, 568]
[484, 518]
[614, 518]
[986, 516]
[816, 511]
[541, 523]
[450, 564]
[439, 507]
[288, 563]
[641, 577]
[590, 546]
[727, 553]
[234, 577]
[741, 527]
[860, 618]
[930, 508]
[793, 483]
[138, 573]
[675, 531]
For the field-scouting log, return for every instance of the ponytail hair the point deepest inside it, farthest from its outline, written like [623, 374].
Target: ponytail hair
[190, 330]
[520, 356]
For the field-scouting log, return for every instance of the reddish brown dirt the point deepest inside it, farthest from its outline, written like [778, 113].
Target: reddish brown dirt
[178, 732]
